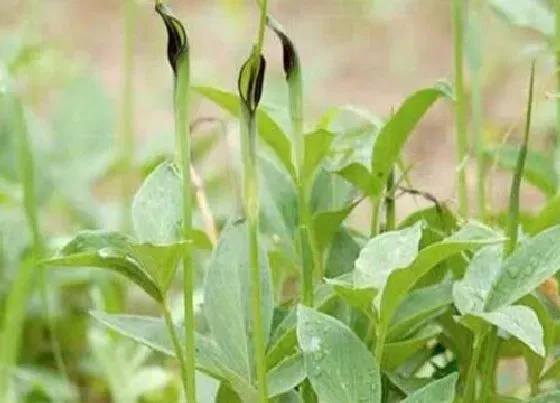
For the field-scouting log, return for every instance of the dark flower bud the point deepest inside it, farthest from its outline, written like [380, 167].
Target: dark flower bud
[177, 39]
[290, 56]
[251, 81]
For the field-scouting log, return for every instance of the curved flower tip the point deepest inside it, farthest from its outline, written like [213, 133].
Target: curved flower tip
[290, 56]
[177, 39]
[251, 81]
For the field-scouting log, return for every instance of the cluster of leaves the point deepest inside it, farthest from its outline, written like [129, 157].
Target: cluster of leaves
[414, 312]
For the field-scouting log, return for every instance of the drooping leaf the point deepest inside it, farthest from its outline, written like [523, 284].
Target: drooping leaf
[385, 253]
[152, 332]
[441, 391]
[338, 364]
[526, 268]
[526, 14]
[471, 293]
[226, 298]
[393, 135]
[286, 375]
[157, 208]
[268, 129]
[538, 171]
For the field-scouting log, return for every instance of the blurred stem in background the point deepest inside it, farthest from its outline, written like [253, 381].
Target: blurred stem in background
[126, 139]
[475, 61]
[556, 45]
[460, 104]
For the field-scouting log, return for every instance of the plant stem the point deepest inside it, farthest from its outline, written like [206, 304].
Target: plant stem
[390, 203]
[460, 110]
[513, 216]
[476, 105]
[374, 225]
[179, 353]
[380, 341]
[182, 137]
[126, 140]
[557, 52]
[470, 383]
[489, 370]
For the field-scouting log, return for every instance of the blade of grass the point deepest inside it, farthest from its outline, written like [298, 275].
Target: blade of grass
[460, 104]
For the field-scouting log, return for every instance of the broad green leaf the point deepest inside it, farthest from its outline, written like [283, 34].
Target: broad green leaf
[290, 397]
[440, 222]
[441, 391]
[226, 298]
[393, 135]
[526, 268]
[317, 144]
[283, 341]
[521, 322]
[547, 217]
[157, 210]
[327, 223]
[286, 375]
[385, 253]
[396, 353]
[358, 297]
[111, 259]
[406, 385]
[419, 307]
[538, 171]
[401, 281]
[355, 133]
[548, 397]
[338, 364]
[343, 252]
[331, 192]
[268, 129]
[152, 332]
[471, 293]
[530, 14]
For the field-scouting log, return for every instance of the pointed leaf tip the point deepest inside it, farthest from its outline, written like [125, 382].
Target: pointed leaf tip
[177, 39]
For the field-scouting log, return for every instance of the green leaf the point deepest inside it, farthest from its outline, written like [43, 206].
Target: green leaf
[521, 322]
[111, 259]
[407, 385]
[358, 297]
[401, 281]
[526, 14]
[327, 223]
[547, 217]
[393, 135]
[286, 375]
[419, 307]
[386, 253]
[317, 144]
[269, 130]
[338, 364]
[552, 372]
[526, 268]
[441, 391]
[396, 353]
[549, 397]
[152, 332]
[226, 298]
[538, 171]
[471, 293]
[342, 254]
[157, 208]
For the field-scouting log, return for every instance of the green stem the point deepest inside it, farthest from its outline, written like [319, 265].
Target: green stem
[374, 225]
[476, 105]
[557, 53]
[488, 387]
[460, 110]
[390, 203]
[252, 211]
[126, 140]
[182, 137]
[513, 216]
[380, 341]
[470, 383]
[176, 347]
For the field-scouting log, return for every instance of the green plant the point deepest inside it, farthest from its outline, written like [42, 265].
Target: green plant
[418, 309]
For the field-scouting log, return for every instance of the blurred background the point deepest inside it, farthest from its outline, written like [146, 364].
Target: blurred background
[366, 53]
[90, 71]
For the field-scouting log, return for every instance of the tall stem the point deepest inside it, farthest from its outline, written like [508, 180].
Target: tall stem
[172, 331]
[488, 387]
[126, 140]
[470, 384]
[476, 104]
[182, 138]
[460, 103]
[374, 223]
